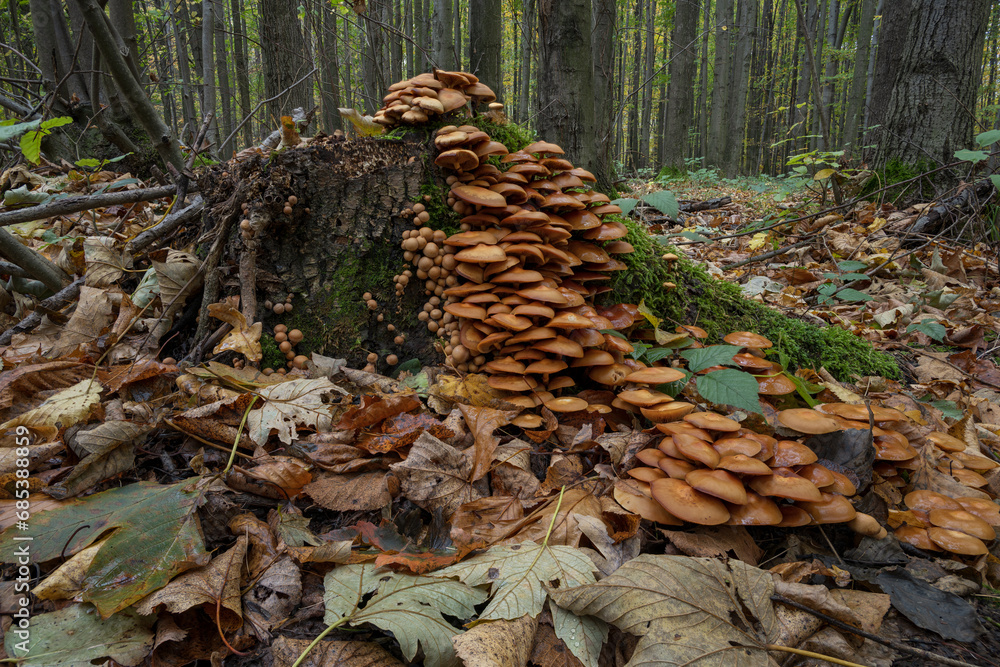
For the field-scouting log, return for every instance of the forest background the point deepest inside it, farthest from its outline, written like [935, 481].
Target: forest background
[628, 87]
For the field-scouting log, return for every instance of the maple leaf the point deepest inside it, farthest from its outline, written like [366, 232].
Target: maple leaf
[287, 405]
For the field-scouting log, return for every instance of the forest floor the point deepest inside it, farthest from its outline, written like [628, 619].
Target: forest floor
[213, 513]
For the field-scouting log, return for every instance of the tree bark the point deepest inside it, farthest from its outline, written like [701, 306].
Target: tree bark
[632, 156]
[645, 128]
[718, 132]
[330, 64]
[527, 53]
[703, 85]
[371, 70]
[485, 25]
[443, 44]
[856, 97]
[680, 91]
[566, 78]
[284, 62]
[745, 27]
[930, 112]
[222, 73]
[208, 96]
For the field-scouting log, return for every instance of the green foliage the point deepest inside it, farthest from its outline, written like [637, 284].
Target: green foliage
[720, 308]
[31, 140]
[700, 358]
[663, 201]
[730, 387]
[897, 171]
[930, 328]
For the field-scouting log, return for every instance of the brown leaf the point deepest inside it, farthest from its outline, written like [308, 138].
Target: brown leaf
[511, 474]
[117, 377]
[218, 583]
[436, 476]
[482, 423]
[549, 650]
[497, 643]
[287, 473]
[566, 529]
[286, 651]
[402, 430]
[364, 491]
[21, 385]
[374, 409]
[716, 541]
[486, 520]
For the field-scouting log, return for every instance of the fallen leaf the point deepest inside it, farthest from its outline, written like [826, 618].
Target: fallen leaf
[363, 491]
[497, 643]
[286, 651]
[483, 422]
[288, 405]
[435, 476]
[242, 339]
[374, 409]
[717, 541]
[70, 406]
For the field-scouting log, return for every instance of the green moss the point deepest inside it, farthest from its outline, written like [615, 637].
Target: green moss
[442, 215]
[719, 307]
[510, 134]
[897, 171]
[272, 356]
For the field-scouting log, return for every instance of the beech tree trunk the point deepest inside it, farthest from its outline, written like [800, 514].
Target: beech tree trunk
[285, 65]
[680, 92]
[485, 25]
[929, 114]
[856, 96]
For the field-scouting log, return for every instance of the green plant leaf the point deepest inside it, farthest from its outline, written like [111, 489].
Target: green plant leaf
[657, 353]
[851, 277]
[626, 204]
[714, 355]
[853, 295]
[730, 387]
[851, 265]
[930, 328]
[88, 163]
[663, 201]
[971, 156]
[695, 236]
[31, 146]
[616, 334]
[987, 138]
[58, 121]
[408, 606]
[8, 132]
[948, 408]
[995, 179]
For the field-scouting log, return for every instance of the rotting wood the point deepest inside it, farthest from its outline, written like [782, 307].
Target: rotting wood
[60, 299]
[84, 203]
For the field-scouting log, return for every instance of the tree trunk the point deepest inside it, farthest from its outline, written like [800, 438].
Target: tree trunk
[408, 30]
[929, 114]
[856, 98]
[718, 132]
[745, 27]
[485, 25]
[632, 158]
[178, 26]
[240, 63]
[566, 78]
[222, 72]
[527, 52]
[208, 96]
[371, 70]
[443, 44]
[330, 91]
[396, 40]
[680, 93]
[703, 85]
[457, 35]
[285, 62]
[645, 128]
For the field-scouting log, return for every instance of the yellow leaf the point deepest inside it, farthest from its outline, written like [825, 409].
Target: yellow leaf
[365, 125]
[648, 314]
[824, 174]
[877, 224]
[758, 240]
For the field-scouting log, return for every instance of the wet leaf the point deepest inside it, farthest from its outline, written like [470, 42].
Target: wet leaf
[497, 643]
[288, 405]
[436, 476]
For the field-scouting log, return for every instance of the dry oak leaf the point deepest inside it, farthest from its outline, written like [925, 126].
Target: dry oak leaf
[408, 606]
[518, 574]
[242, 339]
[218, 583]
[716, 541]
[436, 476]
[105, 264]
[686, 611]
[70, 406]
[357, 492]
[498, 643]
[286, 651]
[287, 405]
[375, 409]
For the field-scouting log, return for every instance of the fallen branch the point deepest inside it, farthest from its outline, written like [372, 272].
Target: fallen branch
[969, 198]
[767, 255]
[57, 301]
[166, 226]
[84, 203]
[34, 264]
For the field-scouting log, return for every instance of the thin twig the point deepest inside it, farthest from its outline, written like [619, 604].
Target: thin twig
[767, 255]
[83, 203]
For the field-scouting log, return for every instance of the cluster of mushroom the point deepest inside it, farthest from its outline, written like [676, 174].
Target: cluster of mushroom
[935, 522]
[287, 340]
[957, 461]
[430, 95]
[708, 469]
[280, 307]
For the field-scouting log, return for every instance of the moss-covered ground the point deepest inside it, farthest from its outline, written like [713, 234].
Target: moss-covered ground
[720, 308]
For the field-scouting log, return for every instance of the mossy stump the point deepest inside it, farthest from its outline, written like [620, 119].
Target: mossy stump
[343, 239]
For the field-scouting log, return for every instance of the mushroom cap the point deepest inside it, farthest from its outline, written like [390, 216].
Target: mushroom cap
[481, 253]
[737, 447]
[544, 294]
[923, 500]
[506, 365]
[543, 147]
[743, 465]
[646, 474]
[643, 505]
[917, 536]
[788, 453]
[458, 159]
[527, 421]
[517, 276]
[984, 508]
[748, 339]
[841, 484]
[807, 420]
[650, 456]
[758, 510]
[888, 448]
[712, 422]
[566, 404]
[547, 366]
[591, 356]
[832, 508]
[963, 522]
[793, 517]
[955, 542]
[609, 231]
[467, 310]
[569, 320]
[688, 504]
[451, 99]
[819, 475]
[470, 239]
[676, 468]
[719, 483]
[666, 412]
[538, 333]
[512, 382]
[619, 248]
[511, 321]
[611, 375]
[775, 385]
[749, 362]
[860, 412]
[560, 345]
[644, 398]
[655, 375]
[695, 449]
[473, 194]
[786, 484]
[561, 382]
[866, 524]
[948, 443]
[972, 461]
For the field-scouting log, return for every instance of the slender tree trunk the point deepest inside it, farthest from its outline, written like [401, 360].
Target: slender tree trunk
[397, 41]
[240, 64]
[329, 61]
[208, 96]
[856, 98]
[872, 64]
[930, 113]
[566, 78]
[184, 66]
[680, 93]
[634, 100]
[408, 29]
[443, 43]
[603, 49]
[43, 28]
[719, 132]
[745, 26]
[703, 84]
[527, 41]
[286, 65]
[485, 25]
[420, 11]
[457, 36]
[645, 129]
